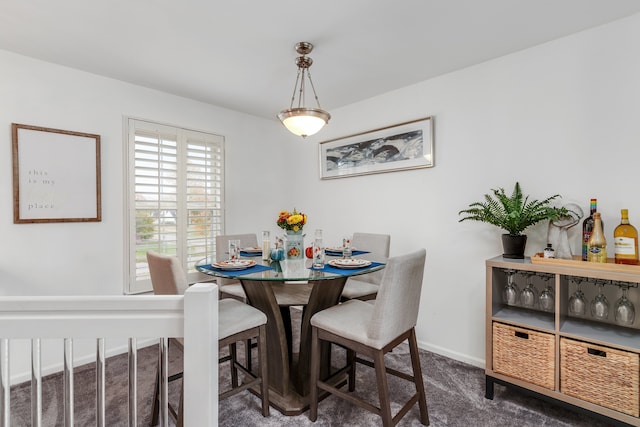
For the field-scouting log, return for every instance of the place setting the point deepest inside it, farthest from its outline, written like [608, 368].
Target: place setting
[251, 251]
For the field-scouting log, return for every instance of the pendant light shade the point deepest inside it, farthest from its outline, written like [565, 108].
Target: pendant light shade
[300, 120]
[304, 121]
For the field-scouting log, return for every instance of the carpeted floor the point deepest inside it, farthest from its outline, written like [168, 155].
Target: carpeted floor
[455, 397]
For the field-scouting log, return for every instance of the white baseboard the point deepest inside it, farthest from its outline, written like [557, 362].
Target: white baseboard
[464, 358]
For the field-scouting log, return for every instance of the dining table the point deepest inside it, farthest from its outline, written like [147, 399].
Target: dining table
[274, 287]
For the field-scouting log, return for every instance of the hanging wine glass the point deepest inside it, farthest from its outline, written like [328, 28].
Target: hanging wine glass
[529, 295]
[600, 304]
[577, 303]
[510, 291]
[625, 311]
[547, 298]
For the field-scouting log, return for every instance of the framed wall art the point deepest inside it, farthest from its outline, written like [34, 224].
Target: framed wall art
[407, 145]
[56, 175]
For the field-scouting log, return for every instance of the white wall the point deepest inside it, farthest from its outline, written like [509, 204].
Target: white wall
[559, 118]
[88, 258]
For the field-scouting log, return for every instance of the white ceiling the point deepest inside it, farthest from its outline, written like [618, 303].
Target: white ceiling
[239, 54]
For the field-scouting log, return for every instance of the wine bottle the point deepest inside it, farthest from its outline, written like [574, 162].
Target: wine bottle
[597, 241]
[587, 228]
[625, 240]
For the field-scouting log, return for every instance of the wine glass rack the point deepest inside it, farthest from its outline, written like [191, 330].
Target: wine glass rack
[579, 360]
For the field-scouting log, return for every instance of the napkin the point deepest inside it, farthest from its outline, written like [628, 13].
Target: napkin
[233, 273]
[346, 271]
[249, 254]
[339, 253]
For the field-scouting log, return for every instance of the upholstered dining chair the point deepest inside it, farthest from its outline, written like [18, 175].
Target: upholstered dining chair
[365, 287]
[236, 322]
[373, 330]
[231, 288]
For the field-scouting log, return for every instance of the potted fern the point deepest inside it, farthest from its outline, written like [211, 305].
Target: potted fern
[513, 214]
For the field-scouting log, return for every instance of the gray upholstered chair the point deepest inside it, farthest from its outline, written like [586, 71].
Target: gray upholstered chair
[365, 287]
[236, 322]
[231, 287]
[373, 330]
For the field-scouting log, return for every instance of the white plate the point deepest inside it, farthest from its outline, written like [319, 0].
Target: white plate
[349, 263]
[240, 264]
[251, 250]
[337, 250]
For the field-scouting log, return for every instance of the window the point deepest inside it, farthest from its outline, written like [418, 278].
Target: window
[175, 197]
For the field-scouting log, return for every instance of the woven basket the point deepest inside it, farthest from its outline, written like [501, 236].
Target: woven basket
[524, 354]
[600, 375]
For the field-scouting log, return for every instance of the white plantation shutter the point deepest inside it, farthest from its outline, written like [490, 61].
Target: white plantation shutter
[175, 196]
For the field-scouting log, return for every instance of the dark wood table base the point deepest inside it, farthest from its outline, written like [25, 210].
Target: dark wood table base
[289, 381]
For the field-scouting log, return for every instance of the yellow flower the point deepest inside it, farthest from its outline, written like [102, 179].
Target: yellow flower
[296, 228]
[295, 219]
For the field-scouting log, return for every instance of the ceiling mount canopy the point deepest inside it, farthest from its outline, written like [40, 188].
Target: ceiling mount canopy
[302, 120]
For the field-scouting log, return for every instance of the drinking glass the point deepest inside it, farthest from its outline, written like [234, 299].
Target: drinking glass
[625, 311]
[346, 247]
[547, 298]
[529, 295]
[577, 303]
[318, 250]
[234, 250]
[266, 245]
[600, 304]
[510, 291]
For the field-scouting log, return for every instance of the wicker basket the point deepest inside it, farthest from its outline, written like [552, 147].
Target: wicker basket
[524, 354]
[600, 375]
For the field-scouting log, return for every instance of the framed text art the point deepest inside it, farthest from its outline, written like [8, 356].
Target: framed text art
[56, 175]
[403, 146]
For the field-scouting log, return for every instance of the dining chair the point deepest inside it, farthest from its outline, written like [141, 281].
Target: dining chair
[237, 321]
[365, 287]
[373, 330]
[231, 288]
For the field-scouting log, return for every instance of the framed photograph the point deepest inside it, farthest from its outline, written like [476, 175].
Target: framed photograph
[56, 175]
[403, 146]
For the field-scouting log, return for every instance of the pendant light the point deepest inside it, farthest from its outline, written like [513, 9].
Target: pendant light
[301, 120]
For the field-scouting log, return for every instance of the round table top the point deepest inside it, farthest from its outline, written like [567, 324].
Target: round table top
[286, 270]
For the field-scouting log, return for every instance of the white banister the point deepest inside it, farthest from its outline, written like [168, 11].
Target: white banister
[5, 383]
[193, 316]
[36, 383]
[133, 387]
[68, 382]
[200, 377]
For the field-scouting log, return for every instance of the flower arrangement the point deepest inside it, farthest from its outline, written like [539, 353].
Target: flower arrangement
[293, 221]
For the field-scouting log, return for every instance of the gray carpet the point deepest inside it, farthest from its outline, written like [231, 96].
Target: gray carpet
[455, 397]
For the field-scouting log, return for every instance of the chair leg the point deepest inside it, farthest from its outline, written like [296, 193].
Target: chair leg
[351, 362]
[247, 358]
[417, 378]
[234, 369]
[180, 421]
[315, 375]
[264, 369]
[383, 389]
[155, 412]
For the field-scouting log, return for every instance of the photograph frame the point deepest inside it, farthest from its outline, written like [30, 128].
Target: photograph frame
[56, 175]
[403, 146]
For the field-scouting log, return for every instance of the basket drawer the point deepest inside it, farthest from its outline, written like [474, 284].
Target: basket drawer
[600, 375]
[524, 354]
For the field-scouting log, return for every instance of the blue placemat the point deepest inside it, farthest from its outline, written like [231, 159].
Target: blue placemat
[339, 253]
[233, 273]
[250, 254]
[343, 271]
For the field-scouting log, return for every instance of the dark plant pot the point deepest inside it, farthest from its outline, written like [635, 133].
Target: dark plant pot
[513, 246]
